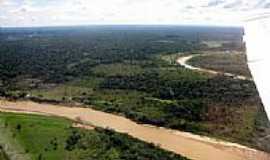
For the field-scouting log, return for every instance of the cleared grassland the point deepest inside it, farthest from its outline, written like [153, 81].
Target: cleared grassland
[51, 138]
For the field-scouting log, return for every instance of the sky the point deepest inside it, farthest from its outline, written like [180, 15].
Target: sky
[27, 13]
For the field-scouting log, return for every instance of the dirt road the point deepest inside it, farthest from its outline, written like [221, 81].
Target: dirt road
[189, 145]
[183, 61]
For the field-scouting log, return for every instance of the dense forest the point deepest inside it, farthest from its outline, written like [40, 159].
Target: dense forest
[60, 54]
[121, 70]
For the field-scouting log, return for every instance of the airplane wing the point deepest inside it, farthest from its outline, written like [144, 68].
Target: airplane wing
[257, 38]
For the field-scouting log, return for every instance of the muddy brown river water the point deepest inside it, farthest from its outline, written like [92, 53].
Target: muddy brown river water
[192, 146]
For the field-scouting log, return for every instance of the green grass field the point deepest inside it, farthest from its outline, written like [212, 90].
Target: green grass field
[37, 134]
[50, 138]
[62, 92]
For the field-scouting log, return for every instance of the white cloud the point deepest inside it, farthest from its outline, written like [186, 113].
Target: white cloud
[76, 12]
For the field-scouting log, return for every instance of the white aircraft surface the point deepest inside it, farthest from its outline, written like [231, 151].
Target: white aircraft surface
[257, 38]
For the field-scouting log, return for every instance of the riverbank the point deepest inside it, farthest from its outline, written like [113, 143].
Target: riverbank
[186, 144]
[184, 61]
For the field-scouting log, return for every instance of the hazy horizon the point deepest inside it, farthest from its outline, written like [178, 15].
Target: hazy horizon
[128, 25]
